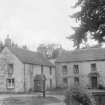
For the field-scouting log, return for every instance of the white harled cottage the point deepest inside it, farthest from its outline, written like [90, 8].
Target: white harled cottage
[18, 68]
[85, 66]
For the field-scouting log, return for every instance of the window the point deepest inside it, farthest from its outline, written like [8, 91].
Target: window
[94, 82]
[50, 70]
[10, 83]
[76, 80]
[93, 67]
[65, 82]
[64, 70]
[41, 69]
[76, 69]
[10, 69]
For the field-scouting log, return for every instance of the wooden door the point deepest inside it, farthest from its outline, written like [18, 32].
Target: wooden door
[94, 82]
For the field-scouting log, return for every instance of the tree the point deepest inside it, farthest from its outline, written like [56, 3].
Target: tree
[25, 47]
[79, 94]
[49, 50]
[42, 49]
[1, 46]
[92, 21]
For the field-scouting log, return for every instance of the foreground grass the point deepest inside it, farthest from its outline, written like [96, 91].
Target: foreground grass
[39, 100]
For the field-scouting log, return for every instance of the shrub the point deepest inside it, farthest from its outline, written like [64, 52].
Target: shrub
[79, 94]
[101, 86]
[30, 90]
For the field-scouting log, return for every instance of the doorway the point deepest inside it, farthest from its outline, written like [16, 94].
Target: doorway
[94, 82]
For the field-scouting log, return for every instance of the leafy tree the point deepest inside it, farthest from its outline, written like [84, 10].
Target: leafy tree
[14, 45]
[49, 50]
[25, 47]
[92, 21]
[1, 46]
[79, 94]
[42, 49]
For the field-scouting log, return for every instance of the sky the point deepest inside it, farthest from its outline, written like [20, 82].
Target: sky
[32, 22]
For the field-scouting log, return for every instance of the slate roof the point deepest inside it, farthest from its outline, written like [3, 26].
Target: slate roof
[91, 54]
[29, 57]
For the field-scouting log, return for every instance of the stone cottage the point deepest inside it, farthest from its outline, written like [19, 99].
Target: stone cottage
[85, 66]
[19, 67]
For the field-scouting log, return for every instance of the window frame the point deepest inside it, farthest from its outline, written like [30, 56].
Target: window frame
[10, 85]
[76, 69]
[93, 67]
[76, 80]
[65, 80]
[64, 69]
[10, 71]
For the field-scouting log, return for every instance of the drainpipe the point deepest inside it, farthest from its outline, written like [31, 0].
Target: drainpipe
[56, 80]
[24, 79]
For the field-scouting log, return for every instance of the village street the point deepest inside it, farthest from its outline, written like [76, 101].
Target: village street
[2, 96]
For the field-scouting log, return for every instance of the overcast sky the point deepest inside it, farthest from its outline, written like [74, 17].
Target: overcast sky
[32, 22]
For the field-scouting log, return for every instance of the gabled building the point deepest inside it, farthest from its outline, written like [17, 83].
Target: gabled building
[19, 67]
[85, 66]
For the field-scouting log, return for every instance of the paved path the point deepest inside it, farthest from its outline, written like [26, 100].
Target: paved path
[2, 96]
[60, 97]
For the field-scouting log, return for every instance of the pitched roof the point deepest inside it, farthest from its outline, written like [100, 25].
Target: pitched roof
[90, 54]
[29, 57]
[40, 77]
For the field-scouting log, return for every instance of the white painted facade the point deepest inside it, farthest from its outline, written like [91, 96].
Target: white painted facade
[23, 74]
[33, 70]
[84, 70]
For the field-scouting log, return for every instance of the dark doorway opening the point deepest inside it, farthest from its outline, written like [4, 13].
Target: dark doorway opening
[94, 82]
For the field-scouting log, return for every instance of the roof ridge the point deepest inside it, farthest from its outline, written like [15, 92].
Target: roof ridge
[84, 49]
[23, 49]
[83, 55]
[30, 57]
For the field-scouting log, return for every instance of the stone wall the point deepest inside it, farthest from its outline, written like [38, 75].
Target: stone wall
[84, 70]
[18, 73]
[23, 74]
[32, 70]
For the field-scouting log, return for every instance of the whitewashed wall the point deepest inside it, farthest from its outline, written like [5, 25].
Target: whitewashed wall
[18, 74]
[23, 74]
[84, 70]
[37, 70]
